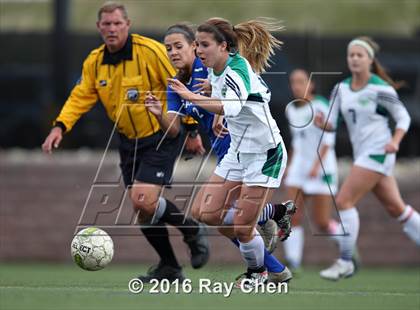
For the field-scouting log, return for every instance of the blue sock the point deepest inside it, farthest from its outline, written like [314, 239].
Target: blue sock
[270, 261]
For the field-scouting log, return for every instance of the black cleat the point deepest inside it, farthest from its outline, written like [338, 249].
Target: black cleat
[199, 247]
[283, 218]
[161, 271]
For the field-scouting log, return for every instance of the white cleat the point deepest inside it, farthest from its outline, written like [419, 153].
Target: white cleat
[340, 269]
[268, 232]
[280, 277]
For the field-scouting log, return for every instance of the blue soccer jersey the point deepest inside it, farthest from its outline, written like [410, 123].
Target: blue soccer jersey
[183, 107]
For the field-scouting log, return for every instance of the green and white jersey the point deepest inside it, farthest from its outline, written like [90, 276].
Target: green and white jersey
[307, 138]
[245, 99]
[366, 113]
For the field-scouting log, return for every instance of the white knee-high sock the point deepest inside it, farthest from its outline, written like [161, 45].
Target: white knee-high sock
[253, 251]
[347, 243]
[293, 247]
[266, 214]
[335, 230]
[410, 219]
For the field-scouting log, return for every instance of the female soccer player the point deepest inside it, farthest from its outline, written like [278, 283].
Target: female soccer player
[254, 164]
[365, 100]
[312, 172]
[180, 45]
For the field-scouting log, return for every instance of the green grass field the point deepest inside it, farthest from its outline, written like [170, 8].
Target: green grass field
[40, 286]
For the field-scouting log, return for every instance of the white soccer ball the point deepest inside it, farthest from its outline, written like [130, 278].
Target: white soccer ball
[92, 249]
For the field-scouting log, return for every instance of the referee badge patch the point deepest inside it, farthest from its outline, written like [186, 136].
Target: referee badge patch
[132, 94]
[102, 83]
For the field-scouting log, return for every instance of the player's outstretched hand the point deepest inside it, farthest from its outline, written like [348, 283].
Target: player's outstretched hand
[53, 140]
[178, 87]
[153, 105]
[320, 122]
[203, 88]
[218, 127]
[195, 145]
[392, 147]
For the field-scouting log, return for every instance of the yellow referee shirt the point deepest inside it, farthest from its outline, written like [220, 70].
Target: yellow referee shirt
[120, 81]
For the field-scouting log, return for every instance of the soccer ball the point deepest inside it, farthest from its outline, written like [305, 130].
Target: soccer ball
[92, 249]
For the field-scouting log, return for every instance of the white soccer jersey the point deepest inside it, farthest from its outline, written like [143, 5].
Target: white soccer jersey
[307, 140]
[245, 99]
[366, 112]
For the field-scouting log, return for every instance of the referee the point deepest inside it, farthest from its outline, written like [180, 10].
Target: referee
[119, 73]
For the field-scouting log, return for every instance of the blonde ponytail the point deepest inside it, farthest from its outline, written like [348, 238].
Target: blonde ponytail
[256, 42]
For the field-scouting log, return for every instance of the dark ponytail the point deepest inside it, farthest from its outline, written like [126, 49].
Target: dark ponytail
[186, 30]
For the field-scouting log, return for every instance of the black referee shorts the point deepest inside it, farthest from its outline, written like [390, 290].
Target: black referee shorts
[142, 160]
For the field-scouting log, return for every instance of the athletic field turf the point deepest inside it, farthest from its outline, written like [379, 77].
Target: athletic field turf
[41, 286]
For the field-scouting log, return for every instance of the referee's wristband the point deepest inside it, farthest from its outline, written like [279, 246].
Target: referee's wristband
[60, 125]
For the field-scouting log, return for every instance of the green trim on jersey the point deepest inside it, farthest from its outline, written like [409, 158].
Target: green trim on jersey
[376, 80]
[238, 64]
[226, 65]
[272, 166]
[322, 100]
[327, 178]
[373, 80]
[380, 158]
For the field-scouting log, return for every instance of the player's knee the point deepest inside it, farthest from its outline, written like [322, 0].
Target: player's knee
[212, 219]
[195, 213]
[243, 233]
[143, 201]
[343, 203]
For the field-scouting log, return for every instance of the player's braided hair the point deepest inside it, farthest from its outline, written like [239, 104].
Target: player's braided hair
[252, 39]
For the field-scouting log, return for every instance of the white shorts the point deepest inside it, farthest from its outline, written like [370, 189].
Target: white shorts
[254, 169]
[326, 184]
[382, 163]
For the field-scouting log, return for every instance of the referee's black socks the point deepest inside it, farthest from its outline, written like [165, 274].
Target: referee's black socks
[169, 213]
[158, 237]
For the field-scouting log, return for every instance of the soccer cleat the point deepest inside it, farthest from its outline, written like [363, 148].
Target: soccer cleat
[268, 232]
[162, 271]
[340, 269]
[252, 278]
[284, 222]
[199, 247]
[280, 277]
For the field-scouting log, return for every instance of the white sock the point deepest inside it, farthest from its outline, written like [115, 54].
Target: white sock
[266, 214]
[347, 243]
[293, 247]
[335, 229]
[410, 219]
[253, 251]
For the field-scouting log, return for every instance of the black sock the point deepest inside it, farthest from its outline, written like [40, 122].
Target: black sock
[158, 237]
[175, 217]
[279, 211]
